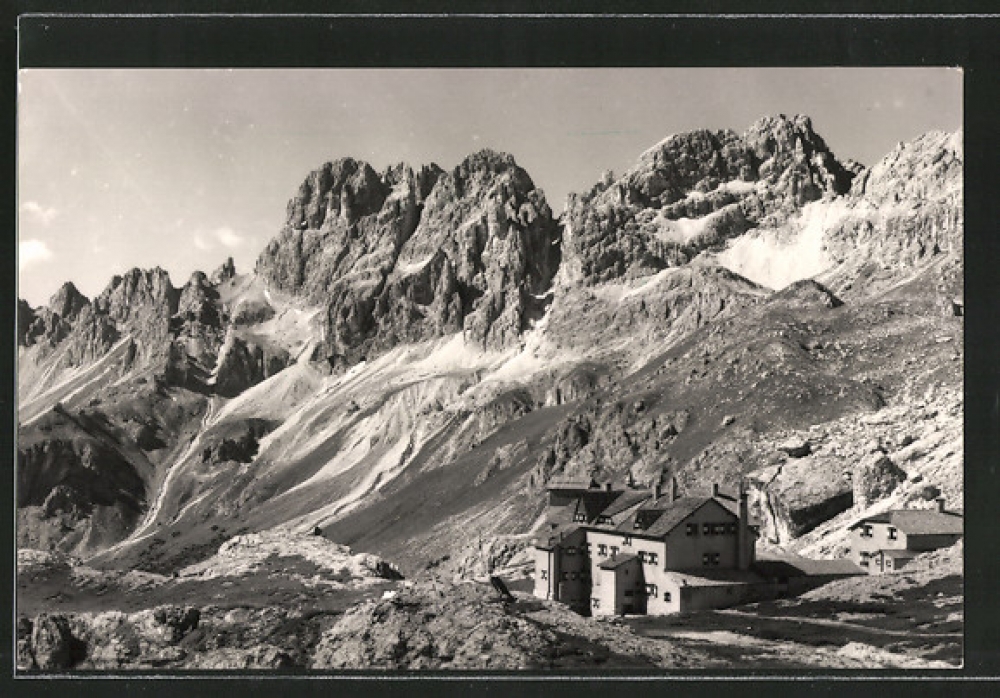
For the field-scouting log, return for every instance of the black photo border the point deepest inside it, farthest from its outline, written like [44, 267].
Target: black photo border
[566, 34]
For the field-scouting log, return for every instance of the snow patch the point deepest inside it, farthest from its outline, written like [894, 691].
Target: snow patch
[412, 267]
[778, 257]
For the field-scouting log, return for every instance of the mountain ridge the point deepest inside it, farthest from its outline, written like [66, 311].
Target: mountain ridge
[442, 331]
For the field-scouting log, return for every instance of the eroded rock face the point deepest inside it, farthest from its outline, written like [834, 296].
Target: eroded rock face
[408, 255]
[75, 492]
[243, 364]
[903, 212]
[875, 478]
[68, 302]
[52, 323]
[792, 498]
[53, 646]
[694, 190]
[225, 272]
[422, 630]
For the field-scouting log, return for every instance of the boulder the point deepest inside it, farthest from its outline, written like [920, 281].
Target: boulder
[875, 478]
[53, 645]
[796, 448]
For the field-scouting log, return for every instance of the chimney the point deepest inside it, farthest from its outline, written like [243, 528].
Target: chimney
[744, 540]
[657, 491]
[673, 489]
[940, 503]
[607, 486]
[715, 489]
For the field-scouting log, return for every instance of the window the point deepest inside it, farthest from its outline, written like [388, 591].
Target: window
[892, 533]
[642, 556]
[586, 548]
[731, 528]
[603, 519]
[627, 540]
[595, 602]
[718, 529]
[638, 525]
[628, 593]
[866, 532]
[652, 558]
[572, 575]
[692, 529]
[707, 529]
[614, 549]
[579, 516]
[651, 589]
[545, 574]
[602, 549]
[571, 550]
[666, 596]
[565, 575]
[710, 559]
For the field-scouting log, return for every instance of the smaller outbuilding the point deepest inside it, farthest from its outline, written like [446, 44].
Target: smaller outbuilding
[886, 542]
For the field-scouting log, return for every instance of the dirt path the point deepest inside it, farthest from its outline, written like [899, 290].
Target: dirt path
[838, 624]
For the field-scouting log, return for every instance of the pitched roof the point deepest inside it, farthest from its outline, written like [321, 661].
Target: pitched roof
[568, 483]
[627, 500]
[899, 553]
[713, 577]
[547, 540]
[616, 561]
[783, 564]
[673, 513]
[919, 521]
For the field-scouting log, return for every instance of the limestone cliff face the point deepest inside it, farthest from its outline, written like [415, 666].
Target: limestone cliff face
[407, 255]
[902, 213]
[694, 190]
[52, 323]
[78, 489]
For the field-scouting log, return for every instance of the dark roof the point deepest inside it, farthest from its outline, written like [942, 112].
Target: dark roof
[919, 521]
[571, 484]
[627, 500]
[616, 561]
[673, 513]
[782, 564]
[704, 577]
[547, 540]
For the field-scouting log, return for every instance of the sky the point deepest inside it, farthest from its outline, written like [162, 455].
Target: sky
[183, 168]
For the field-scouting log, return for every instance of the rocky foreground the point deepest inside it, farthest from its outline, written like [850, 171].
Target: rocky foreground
[908, 621]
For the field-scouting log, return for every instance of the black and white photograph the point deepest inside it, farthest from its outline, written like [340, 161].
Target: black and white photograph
[548, 369]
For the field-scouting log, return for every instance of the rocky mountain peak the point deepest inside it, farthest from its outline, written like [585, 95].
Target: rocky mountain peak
[67, 302]
[694, 190]
[224, 273]
[196, 298]
[420, 253]
[928, 167]
[794, 157]
[346, 189]
[137, 289]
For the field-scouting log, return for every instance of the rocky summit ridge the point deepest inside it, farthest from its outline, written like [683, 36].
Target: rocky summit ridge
[418, 351]
[695, 190]
[404, 255]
